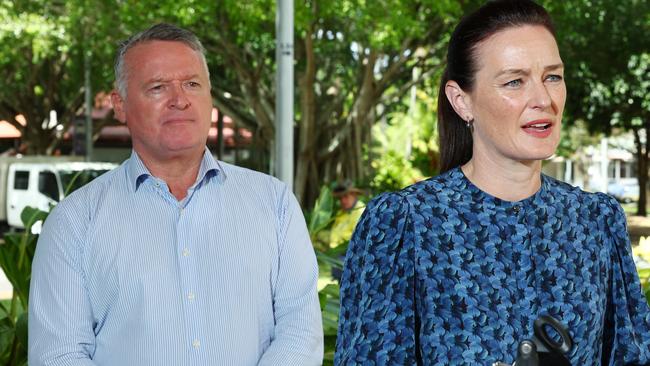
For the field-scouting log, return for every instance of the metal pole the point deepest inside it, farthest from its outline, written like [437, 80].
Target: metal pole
[604, 161]
[220, 135]
[89, 108]
[283, 157]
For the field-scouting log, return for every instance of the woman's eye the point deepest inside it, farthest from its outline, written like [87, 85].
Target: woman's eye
[554, 78]
[513, 83]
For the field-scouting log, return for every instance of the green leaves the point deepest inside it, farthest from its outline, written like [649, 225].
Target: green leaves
[17, 252]
[319, 221]
[7, 334]
[16, 255]
[41, 62]
[31, 215]
[602, 43]
[13, 341]
[329, 303]
[15, 260]
[321, 215]
[644, 276]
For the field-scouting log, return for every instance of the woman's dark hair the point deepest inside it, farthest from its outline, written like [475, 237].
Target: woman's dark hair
[493, 17]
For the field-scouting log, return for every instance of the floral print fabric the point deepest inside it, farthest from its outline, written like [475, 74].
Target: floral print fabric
[442, 273]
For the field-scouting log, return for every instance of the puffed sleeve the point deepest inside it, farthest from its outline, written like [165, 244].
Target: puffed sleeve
[377, 323]
[626, 338]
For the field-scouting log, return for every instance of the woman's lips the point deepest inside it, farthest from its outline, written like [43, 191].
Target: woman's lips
[539, 128]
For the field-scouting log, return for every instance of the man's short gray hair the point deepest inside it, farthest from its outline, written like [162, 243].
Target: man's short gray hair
[158, 32]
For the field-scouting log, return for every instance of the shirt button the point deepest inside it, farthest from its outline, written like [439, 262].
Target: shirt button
[516, 209]
[186, 252]
[196, 344]
[191, 296]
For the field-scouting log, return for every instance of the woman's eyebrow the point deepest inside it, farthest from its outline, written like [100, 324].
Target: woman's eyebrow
[527, 71]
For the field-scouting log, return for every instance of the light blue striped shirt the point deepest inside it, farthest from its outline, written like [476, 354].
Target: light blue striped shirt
[124, 274]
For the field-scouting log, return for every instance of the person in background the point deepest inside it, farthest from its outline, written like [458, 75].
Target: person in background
[350, 210]
[454, 270]
[173, 258]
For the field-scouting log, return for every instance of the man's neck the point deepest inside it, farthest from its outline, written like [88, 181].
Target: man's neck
[178, 171]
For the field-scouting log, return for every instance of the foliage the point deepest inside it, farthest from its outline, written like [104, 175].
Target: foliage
[43, 50]
[574, 138]
[605, 49]
[393, 172]
[644, 276]
[319, 221]
[405, 148]
[16, 256]
[356, 62]
[330, 307]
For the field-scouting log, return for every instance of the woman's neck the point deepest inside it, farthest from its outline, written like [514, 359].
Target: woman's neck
[507, 179]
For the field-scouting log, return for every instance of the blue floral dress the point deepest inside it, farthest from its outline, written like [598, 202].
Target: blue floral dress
[442, 273]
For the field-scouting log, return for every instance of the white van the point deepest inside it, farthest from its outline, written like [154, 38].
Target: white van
[41, 182]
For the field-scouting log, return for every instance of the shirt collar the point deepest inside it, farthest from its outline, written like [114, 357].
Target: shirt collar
[209, 167]
[137, 172]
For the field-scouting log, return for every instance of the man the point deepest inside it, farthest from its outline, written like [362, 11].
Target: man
[174, 258]
[350, 211]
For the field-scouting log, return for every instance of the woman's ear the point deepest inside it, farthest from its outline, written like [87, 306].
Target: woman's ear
[459, 100]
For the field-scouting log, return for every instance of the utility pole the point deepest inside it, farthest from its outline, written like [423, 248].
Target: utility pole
[282, 161]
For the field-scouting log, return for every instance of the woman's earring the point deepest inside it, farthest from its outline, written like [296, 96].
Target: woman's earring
[470, 124]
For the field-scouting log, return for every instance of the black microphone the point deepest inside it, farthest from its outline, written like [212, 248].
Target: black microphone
[543, 350]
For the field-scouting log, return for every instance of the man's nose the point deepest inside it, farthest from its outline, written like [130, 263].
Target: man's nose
[178, 98]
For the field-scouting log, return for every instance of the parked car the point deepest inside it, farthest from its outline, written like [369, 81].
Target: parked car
[624, 190]
[41, 182]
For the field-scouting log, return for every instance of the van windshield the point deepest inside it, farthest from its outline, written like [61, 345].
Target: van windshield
[75, 179]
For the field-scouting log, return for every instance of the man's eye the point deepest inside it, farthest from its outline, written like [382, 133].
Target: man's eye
[513, 83]
[193, 84]
[156, 88]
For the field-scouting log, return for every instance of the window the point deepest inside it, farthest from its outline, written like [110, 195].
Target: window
[72, 180]
[47, 185]
[21, 180]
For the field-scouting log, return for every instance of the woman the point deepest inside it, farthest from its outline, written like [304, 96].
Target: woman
[454, 270]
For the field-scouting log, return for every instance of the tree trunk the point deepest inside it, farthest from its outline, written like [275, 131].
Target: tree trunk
[35, 137]
[306, 161]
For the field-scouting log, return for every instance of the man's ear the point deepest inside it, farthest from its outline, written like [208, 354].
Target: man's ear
[459, 100]
[118, 106]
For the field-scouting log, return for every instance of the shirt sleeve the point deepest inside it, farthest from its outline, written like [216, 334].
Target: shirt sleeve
[298, 336]
[60, 317]
[626, 338]
[378, 323]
